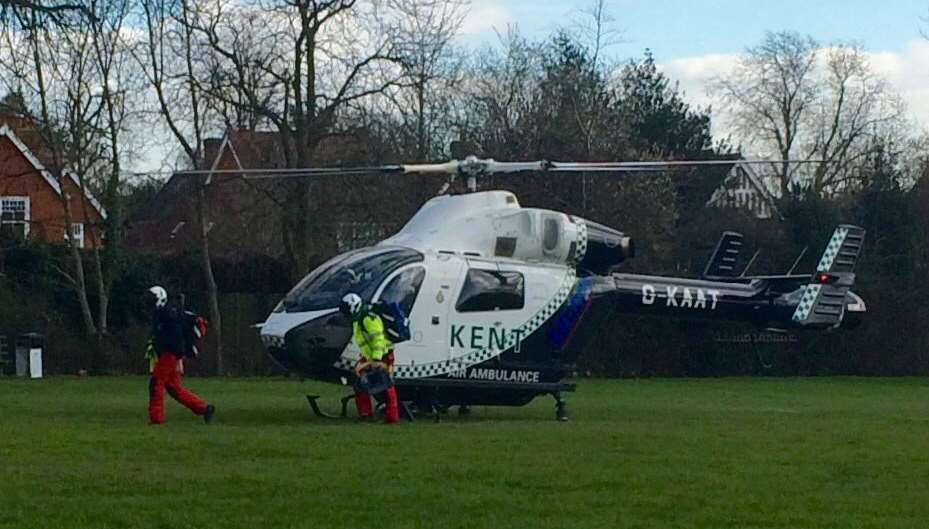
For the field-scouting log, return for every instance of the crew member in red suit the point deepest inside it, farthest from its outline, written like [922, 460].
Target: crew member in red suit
[170, 344]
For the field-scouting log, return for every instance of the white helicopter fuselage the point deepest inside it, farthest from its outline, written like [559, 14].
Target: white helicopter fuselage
[488, 275]
[448, 336]
[492, 292]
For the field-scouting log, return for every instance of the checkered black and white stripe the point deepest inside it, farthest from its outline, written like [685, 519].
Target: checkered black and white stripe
[270, 340]
[580, 250]
[344, 363]
[832, 250]
[478, 356]
[806, 302]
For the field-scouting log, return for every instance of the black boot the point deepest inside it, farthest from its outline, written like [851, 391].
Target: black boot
[208, 414]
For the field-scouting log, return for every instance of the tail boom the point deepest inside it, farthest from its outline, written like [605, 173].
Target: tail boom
[818, 300]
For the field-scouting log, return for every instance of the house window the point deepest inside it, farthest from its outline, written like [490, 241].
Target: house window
[491, 290]
[77, 234]
[14, 217]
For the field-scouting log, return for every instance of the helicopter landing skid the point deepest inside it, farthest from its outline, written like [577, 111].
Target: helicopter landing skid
[432, 401]
[561, 412]
[314, 405]
[317, 411]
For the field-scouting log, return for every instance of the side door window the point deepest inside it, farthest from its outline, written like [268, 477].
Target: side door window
[404, 288]
[419, 291]
[491, 290]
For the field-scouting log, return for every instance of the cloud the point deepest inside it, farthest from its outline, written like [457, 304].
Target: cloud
[907, 72]
[694, 74]
[485, 17]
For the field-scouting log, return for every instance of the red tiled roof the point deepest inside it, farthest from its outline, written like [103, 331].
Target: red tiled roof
[245, 214]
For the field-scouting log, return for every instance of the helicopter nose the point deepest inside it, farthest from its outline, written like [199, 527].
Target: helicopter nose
[308, 343]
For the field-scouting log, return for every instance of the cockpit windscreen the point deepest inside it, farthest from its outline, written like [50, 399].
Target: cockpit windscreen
[360, 272]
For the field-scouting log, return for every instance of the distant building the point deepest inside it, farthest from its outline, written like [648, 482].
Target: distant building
[32, 203]
[244, 215]
[747, 187]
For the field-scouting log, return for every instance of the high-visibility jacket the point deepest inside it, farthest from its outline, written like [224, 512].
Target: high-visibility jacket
[370, 338]
[151, 355]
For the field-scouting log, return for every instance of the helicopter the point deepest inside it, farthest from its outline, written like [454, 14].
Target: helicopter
[501, 298]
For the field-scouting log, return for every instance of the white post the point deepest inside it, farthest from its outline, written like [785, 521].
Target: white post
[35, 362]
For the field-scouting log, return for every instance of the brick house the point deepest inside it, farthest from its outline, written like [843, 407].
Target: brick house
[31, 197]
[244, 216]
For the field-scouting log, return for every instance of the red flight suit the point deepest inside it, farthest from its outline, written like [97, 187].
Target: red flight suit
[170, 345]
[166, 377]
[363, 400]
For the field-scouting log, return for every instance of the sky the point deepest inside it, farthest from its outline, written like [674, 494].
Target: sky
[680, 28]
[696, 40]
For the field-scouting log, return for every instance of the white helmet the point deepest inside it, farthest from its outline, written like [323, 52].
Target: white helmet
[161, 295]
[351, 304]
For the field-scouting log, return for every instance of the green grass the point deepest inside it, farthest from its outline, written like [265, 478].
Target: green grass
[740, 453]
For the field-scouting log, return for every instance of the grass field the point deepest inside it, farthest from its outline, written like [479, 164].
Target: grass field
[791, 453]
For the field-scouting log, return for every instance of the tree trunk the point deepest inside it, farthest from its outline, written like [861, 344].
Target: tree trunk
[785, 175]
[80, 283]
[421, 121]
[102, 293]
[216, 323]
[302, 232]
[298, 206]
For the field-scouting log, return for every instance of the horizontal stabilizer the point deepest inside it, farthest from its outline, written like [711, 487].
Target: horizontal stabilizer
[722, 262]
[823, 300]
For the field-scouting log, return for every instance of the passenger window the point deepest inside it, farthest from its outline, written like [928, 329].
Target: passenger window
[550, 234]
[404, 288]
[491, 290]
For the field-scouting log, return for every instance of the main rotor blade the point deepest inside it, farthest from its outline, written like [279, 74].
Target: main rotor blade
[290, 173]
[472, 166]
[450, 167]
[659, 165]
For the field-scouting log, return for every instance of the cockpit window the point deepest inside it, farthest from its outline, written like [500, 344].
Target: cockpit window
[491, 290]
[404, 288]
[360, 272]
[315, 273]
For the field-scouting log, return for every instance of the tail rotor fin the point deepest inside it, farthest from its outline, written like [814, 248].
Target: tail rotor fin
[722, 263]
[843, 250]
[823, 301]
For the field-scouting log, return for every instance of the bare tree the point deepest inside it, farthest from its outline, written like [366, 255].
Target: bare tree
[501, 97]
[53, 10]
[73, 65]
[810, 103]
[597, 29]
[297, 66]
[47, 54]
[770, 93]
[854, 105]
[170, 56]
[433, 68]
[111, 60]
[924, 30]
